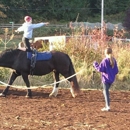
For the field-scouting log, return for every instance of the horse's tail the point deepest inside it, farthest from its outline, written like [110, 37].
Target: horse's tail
[73, 80]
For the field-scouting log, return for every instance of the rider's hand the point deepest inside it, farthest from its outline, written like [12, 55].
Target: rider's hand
[17, 31]
[47, 23]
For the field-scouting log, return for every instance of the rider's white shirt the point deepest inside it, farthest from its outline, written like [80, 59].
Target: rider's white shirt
[28, 29]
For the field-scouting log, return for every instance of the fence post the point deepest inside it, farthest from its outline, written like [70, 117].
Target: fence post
[12, 26]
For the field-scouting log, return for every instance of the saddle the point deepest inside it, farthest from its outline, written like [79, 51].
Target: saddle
[35, 56]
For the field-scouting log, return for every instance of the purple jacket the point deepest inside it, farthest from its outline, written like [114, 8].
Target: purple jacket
[108, 73]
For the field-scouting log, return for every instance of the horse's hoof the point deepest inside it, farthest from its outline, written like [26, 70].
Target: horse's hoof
[28, 96]
[52, 95]
[2, 95]
[74, 94]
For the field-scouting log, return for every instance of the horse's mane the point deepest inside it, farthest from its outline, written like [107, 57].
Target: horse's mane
[10, 51]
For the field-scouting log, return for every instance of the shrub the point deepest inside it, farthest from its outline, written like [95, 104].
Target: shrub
[4, 73]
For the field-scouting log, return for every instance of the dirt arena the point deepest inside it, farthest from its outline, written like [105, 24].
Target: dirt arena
[63, 112]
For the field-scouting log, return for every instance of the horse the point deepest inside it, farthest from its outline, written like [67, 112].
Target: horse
[37, 44]
[34, 44]
[59, 63]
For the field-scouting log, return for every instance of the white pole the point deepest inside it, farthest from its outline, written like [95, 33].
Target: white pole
[102, 18]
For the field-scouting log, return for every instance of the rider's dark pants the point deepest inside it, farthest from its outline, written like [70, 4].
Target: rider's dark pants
[27, 43]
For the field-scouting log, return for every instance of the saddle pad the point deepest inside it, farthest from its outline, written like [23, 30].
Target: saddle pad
[40, 55]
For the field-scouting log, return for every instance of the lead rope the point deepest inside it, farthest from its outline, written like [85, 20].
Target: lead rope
[42, 85]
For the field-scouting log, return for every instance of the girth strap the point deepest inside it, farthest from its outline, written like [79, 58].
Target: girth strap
[33, 61]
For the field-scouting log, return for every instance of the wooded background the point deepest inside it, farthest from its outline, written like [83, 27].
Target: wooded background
[62, 11]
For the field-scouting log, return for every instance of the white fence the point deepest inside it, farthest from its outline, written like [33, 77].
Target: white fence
[54, 41]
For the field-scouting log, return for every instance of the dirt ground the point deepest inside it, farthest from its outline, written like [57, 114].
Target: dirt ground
[63, 112]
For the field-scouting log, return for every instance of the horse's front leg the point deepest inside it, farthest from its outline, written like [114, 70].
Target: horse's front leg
[26, 80]
[55, 88]
[11, 80]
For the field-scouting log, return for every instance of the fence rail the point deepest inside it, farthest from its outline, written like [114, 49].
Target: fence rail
[71, 24]
[18, 25]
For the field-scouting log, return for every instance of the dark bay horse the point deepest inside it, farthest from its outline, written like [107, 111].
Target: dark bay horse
[60, 63]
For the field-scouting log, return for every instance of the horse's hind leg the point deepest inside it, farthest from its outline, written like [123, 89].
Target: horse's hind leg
[72, 89]
[55, 88]
[74, 85]
[11, 80]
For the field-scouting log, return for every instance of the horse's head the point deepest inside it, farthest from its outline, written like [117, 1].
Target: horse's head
[37, 44]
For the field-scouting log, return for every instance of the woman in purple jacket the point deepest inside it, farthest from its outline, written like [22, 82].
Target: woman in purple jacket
[108, 68]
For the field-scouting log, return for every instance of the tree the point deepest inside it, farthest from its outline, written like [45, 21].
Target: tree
[16, 10]
[68, 10]
[2, 14]
[126, 22]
